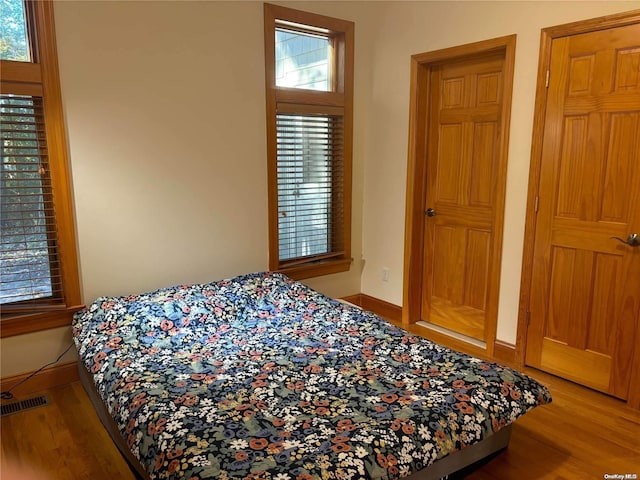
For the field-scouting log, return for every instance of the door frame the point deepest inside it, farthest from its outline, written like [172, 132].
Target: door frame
[547, 36]
[421, 67]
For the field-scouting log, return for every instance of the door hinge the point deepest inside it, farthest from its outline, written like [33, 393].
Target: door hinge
[535, 204]
[546, 80]
[527, 317]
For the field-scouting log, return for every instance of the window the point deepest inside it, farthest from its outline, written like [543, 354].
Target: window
[309, 79]
[39, 285]
[303, 60]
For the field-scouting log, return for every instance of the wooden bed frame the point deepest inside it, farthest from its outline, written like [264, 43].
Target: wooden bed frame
[438, 470]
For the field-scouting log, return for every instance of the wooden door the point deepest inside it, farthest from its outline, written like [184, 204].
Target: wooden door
[585, 287]
[465, 169]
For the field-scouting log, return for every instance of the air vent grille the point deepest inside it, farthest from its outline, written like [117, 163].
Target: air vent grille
[22, 405]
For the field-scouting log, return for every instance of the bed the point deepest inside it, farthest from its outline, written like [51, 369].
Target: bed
[261, 377]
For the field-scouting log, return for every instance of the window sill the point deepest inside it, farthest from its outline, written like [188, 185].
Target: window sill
[19, 324]
[317, 269]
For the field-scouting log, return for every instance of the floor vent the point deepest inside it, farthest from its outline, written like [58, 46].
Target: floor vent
[22, 405]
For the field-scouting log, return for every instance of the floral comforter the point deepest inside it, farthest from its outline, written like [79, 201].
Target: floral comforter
[260, 377]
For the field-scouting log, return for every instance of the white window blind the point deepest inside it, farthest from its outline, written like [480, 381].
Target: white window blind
[29, 270]
[310, 182]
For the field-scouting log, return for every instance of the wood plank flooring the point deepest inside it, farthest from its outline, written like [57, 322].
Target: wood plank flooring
[583, 434]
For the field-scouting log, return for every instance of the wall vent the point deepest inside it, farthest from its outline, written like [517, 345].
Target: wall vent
[22, 405]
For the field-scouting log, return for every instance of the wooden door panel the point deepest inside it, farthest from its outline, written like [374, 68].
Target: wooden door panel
[583, 366]
[594, 236]
[461, 215]
[468, 321]
[623, 150]
[453, 89]
[488, 91]
[482, 174]
[593, 184]
[574, 170]
[448, 176]
[563, 291]
[601, 337]
[585, 291]
[627, 314]
[580, 75]
[575, 276]
[461, 249]
[478, 250]
[577, 106]
[627, 77]
[450, 245]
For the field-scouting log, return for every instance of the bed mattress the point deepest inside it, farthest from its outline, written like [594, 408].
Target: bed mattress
[259, 376]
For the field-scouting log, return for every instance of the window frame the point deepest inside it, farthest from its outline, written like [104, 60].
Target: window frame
[303, 101]
[40, 77]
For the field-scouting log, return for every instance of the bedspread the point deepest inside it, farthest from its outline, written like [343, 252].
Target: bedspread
[259, 376]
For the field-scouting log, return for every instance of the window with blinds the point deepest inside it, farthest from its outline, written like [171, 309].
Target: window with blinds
[29, 271]
[39, 278]
[310, 187]
[309, 80]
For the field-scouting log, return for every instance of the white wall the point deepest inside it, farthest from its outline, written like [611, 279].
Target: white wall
[164, 104]
[407, 28]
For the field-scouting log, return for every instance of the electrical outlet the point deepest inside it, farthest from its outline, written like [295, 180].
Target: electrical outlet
[385, 274]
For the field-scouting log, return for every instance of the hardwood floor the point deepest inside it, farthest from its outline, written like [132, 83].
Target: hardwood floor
[63, 440]
[582, 435]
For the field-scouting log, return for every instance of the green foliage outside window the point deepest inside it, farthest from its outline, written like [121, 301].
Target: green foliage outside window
[13, 31]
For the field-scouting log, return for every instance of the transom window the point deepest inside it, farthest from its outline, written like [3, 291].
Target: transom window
[14, 38]
[303, 60]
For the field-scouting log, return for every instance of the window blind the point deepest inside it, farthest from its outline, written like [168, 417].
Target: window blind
[29, 270]
[310, 178]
